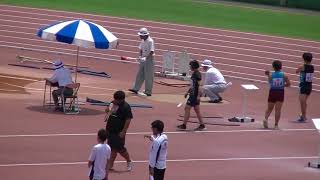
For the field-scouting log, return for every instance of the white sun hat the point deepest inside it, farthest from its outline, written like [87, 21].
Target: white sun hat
[143, 32]
[57, 64]
[207, 63]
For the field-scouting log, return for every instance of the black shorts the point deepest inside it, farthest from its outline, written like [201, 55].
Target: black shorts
[193, 101]
[305, 90]
[276, 95]
[116, 143]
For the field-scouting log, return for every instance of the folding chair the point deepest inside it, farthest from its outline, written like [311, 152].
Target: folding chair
[48, 83]
[73, 106]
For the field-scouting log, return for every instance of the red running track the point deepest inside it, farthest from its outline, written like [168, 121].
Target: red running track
[40, 144]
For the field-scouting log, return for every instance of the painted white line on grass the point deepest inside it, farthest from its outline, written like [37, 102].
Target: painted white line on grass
[169, 160]
[171, 132]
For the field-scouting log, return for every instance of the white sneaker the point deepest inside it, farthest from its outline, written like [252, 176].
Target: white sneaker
[129, 166]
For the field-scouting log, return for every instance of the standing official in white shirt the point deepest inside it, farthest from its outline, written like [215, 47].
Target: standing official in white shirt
[214, 82]
[146, 66]
[158, 151]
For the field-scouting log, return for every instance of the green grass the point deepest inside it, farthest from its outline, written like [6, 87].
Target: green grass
[193, 13]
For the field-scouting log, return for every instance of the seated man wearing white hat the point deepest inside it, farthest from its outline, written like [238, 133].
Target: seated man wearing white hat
[146, 66]
[62, 76]
[214, 82]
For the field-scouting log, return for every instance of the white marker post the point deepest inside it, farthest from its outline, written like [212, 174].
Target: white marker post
[247, 88]
[316, 164]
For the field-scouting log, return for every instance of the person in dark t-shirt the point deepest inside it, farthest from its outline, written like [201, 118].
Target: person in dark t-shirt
[118, 120]
[194, 97]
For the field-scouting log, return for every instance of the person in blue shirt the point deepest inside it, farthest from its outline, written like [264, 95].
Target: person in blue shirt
[306, 72]
[277, 81]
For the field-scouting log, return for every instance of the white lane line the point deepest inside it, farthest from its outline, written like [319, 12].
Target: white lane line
[169, 160]
[227, 75]
[154, 22]
[214, 51]
[116, 60]
[170, 132]
[206, 39]
[222, 64]
[92, 52]
[181, 41]
[20, 78]
[179, 35]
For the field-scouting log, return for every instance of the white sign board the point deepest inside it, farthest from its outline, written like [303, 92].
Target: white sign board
[249, 87]
[316, 123]
[168, 62]
[183, 62]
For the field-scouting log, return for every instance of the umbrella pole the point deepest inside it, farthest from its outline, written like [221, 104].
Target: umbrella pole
[77, 65]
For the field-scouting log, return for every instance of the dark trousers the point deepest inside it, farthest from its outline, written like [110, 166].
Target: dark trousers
[158, 174]
[56, 93]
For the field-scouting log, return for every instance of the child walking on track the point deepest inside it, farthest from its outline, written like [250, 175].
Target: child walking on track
[306, 74]
[194, 97]
[99, 157]
[277, 81]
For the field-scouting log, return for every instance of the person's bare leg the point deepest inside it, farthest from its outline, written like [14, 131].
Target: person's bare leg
[277, 114]
[113, 157]
[126, 156]
[199, 116]
[186, 114]
[267, 114]
[303, 105]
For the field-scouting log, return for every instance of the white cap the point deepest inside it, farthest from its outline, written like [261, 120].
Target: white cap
[143, 32]
[207, 63]
[57, 64]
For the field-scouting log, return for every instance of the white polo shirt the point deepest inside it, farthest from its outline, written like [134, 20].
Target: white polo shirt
[146, 46]
[213, 76]
[62, 76]
[159, 144]
[100, 153]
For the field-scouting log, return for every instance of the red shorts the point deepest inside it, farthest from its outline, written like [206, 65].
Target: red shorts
[276, 95]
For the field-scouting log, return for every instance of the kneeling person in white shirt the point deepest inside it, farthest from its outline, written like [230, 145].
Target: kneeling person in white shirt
[158, 151]
[99, 157]
[214, 82]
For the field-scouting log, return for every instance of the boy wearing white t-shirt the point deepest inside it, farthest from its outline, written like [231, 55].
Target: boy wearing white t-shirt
[158, 151]
[99, 157]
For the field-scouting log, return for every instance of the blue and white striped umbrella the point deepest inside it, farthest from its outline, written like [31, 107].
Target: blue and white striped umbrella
[81, 33]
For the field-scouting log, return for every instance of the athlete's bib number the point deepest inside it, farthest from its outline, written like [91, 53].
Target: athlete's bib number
[309, 77]
[277, 82]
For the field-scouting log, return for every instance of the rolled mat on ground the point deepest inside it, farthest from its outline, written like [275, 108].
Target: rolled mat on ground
[82, 70]
[209, 123]
[94, 73]
[204, 116]
[105, 103]
[171, 84]
[23, 65]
